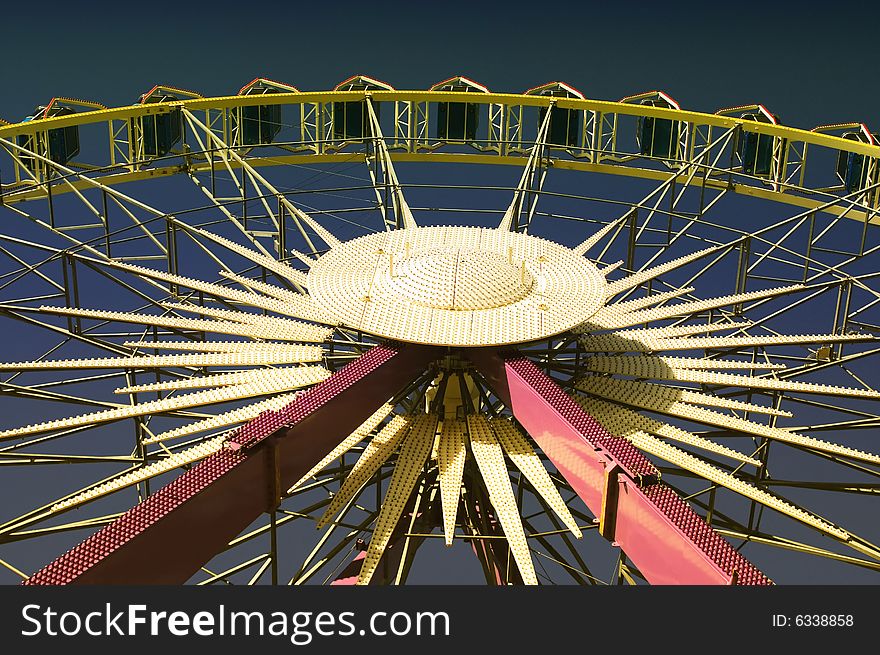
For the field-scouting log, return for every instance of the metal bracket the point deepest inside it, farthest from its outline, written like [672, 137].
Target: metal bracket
[610, 494]
[273, 476]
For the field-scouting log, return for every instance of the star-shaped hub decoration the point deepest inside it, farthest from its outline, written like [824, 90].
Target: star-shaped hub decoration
[470, 289]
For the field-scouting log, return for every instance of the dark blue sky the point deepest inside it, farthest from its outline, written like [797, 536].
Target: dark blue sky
[808, 61]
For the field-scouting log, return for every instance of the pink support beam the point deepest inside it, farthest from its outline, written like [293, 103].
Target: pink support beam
[348, 577]
[668, 542]
[167, 537]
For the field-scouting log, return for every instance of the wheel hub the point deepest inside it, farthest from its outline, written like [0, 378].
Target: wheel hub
[457, 286]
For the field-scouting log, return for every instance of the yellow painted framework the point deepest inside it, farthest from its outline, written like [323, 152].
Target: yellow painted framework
[597, 151]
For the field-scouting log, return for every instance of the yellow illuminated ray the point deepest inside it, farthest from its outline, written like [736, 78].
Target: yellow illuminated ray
[670, 331]
[490, 460]
[269, 263]
[605, 270]
[602, 362]
[361, 433]
[703, 343]
[451, 455]
[296, 305]
[643, 368]
[209, 397]
[410, 463]
[625, 306]
[669, 339]
[242, 358]
[264, 288]
[133, 477]
[596, 237]
[284, 301]
[293, 332]
[635, 339]
[638, 278]
[618, 320]
[622, 420]
[656, 403]
[280, 324]
[601, 385]
[706, 471]
[307, 373]
[224, 419]
[302, 353]
[526, 460]
[377, 451]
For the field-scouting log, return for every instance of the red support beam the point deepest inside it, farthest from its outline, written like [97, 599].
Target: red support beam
[170, 535]
[665, 539]
[348, 577]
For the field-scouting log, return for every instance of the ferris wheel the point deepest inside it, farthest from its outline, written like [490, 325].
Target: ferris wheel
[580, 341]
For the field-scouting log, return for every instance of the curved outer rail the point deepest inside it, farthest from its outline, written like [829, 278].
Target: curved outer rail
[505, 99]
[598, 147]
